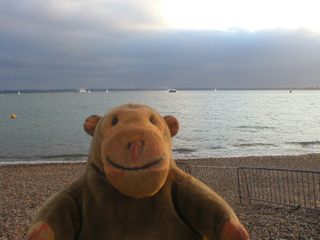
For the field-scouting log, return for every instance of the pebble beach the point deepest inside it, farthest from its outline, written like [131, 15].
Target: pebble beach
[25, 187]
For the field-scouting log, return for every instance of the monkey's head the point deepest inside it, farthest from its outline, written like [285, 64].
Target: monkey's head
[132, 145]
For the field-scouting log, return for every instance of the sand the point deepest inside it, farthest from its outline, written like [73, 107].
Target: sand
[24, 188]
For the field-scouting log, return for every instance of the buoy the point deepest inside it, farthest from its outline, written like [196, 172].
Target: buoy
[13, 116]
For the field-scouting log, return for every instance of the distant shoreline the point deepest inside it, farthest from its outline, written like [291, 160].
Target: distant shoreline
[155, 89]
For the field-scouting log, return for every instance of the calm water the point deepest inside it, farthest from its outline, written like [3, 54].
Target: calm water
[48, 126]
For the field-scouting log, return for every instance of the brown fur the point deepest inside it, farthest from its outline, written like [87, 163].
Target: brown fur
[132, 189]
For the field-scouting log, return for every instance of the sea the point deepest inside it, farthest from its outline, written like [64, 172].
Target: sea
[49, 126]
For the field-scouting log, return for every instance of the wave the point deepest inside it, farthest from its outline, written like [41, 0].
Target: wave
[215, 148]
[255, 145]
[255, 127]
[305, 144]
[43, 159]
[184, 150]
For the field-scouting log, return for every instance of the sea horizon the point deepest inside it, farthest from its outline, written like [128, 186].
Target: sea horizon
[14, 91]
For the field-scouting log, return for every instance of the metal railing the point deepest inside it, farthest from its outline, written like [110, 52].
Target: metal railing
[222, 180]
[184, 166]
[295, 188]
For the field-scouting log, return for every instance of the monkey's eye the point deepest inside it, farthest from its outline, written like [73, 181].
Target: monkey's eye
[152, 121]
[114, 121]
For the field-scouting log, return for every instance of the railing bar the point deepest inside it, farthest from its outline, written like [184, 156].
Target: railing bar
[258, 183]
[286, 204]
[239, 186]
[284, 186]
[268, 184]
[263, 200]
[244, 182]
[234, 180]
[214, 167]
[282, 197]
[299, 187]
[311, 189]
[319, 184]
[293, 188]
[297, 196]
[250, 191]
[291, 185]
[288, 187]
[274, 184]
[250, 184]
[228, 175]
[316, 209]
[264, 186]
[307, 193]
[314, 191]
[279, 184]
[303, 187]
[281, 169]
[270, 188]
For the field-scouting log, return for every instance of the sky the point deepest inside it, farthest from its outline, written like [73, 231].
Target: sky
[59, 44]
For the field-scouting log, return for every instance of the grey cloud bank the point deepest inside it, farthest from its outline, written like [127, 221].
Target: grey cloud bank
[112, 44]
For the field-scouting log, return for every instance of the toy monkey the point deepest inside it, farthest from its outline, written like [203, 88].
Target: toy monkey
[133, 190]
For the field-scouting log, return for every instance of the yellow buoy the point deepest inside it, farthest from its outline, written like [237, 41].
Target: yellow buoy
[13, 116]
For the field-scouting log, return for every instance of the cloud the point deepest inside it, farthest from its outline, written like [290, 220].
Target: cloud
[82, 15]
[267, 58]
[98, 44]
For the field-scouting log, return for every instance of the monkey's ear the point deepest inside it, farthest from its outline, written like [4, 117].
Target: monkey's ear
[91, 123]
[173, 124]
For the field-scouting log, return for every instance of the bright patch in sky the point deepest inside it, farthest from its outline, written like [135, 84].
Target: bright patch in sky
[248, 14]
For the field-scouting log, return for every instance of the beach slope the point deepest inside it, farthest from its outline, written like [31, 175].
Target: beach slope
[24, 188]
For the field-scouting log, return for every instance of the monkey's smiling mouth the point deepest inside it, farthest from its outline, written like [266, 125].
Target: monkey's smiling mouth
[136, 168]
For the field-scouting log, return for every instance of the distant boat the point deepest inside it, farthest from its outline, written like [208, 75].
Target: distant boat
[173, 90]
[215, 89]
[89, 91]
[19, 93]
[81, 90]
[107, 91]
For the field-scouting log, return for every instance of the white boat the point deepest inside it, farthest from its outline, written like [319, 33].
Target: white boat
[89, 91]
[173, 90]
[81, 90]
[107, 91]
[19, 93]
[215, 89]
